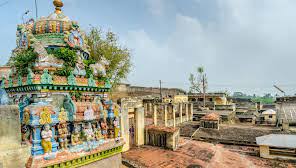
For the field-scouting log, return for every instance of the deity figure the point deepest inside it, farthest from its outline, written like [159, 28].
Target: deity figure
[89, 113]
[19, 80]
[75, 137]
[46, 77]
[104, 128]
[26, 134]
[30, 76]
[63, 132]
[75, 39]
[91, 81]
[71, 79]
[3, 82]
[98, 69]
[69, 107]
[116, 127]
[88, 132]
[46, 135]
[97, 130]
[63, 116]
[45, 116]
[79, 67]
[22, 37]
[26, 116]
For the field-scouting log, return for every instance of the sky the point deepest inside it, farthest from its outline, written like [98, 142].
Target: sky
[244, 45]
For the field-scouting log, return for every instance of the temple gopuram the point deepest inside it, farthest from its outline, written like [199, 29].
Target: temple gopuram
[66, 114]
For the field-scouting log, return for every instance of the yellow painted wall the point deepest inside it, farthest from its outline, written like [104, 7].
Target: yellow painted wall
[180, 99]
[221, 101]
[266, 117]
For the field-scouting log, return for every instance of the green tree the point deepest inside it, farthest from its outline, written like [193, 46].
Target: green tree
[105, 45]
[199, 82]
[24, 60]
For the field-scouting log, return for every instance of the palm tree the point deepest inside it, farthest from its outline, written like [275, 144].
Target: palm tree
[199, 83]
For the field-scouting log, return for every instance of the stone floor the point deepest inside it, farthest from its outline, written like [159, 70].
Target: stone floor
[110, 162]
[198, 154]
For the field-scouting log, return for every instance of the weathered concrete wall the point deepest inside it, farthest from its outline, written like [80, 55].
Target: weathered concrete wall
[12, 153]
[173, 140]
[10, 127]
[14, 157]
[110, 162]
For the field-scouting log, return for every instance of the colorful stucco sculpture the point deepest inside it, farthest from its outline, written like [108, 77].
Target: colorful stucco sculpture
[63, 115]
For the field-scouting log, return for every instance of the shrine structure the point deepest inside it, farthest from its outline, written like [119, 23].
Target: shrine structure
[65, 110]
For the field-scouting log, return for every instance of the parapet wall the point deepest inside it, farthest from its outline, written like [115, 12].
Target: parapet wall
[12, 153]
[10, 127]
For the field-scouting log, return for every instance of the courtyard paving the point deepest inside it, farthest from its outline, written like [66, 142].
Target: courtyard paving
[197, 154]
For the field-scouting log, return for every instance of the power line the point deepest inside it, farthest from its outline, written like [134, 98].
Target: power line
[4, 3]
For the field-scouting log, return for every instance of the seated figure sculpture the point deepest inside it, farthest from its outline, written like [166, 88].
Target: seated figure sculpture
[104, 128]
[63, 133]
[75, 137]
[89, 136]
[89, 113]
[46, 135]
[97, 131]
[88, 132]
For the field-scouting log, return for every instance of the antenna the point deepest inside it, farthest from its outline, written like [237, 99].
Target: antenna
[280, 89]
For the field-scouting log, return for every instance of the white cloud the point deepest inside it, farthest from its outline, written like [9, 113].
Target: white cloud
[157, 7]
[250, 46]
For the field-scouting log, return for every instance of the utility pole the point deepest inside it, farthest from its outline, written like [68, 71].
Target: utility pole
[204, 90]
[160, 93]
[36, 8]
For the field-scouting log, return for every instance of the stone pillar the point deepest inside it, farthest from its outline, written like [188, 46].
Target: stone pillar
[155, 115]
[191, 112]
[186, 111]
[181, 112]
[150, 107]
[174, 115]
[285, 126]
[165, 115]
[140, 126]
[125, 127]
[145, 109]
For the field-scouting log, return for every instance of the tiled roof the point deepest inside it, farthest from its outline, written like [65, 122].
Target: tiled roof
[211, 116]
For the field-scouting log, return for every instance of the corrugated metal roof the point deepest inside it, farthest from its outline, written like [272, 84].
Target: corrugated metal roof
[277, 140]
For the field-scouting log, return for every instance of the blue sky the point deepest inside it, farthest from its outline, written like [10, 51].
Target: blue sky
[245, 45]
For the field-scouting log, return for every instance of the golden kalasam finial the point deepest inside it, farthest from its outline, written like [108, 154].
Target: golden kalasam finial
[58, 4]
